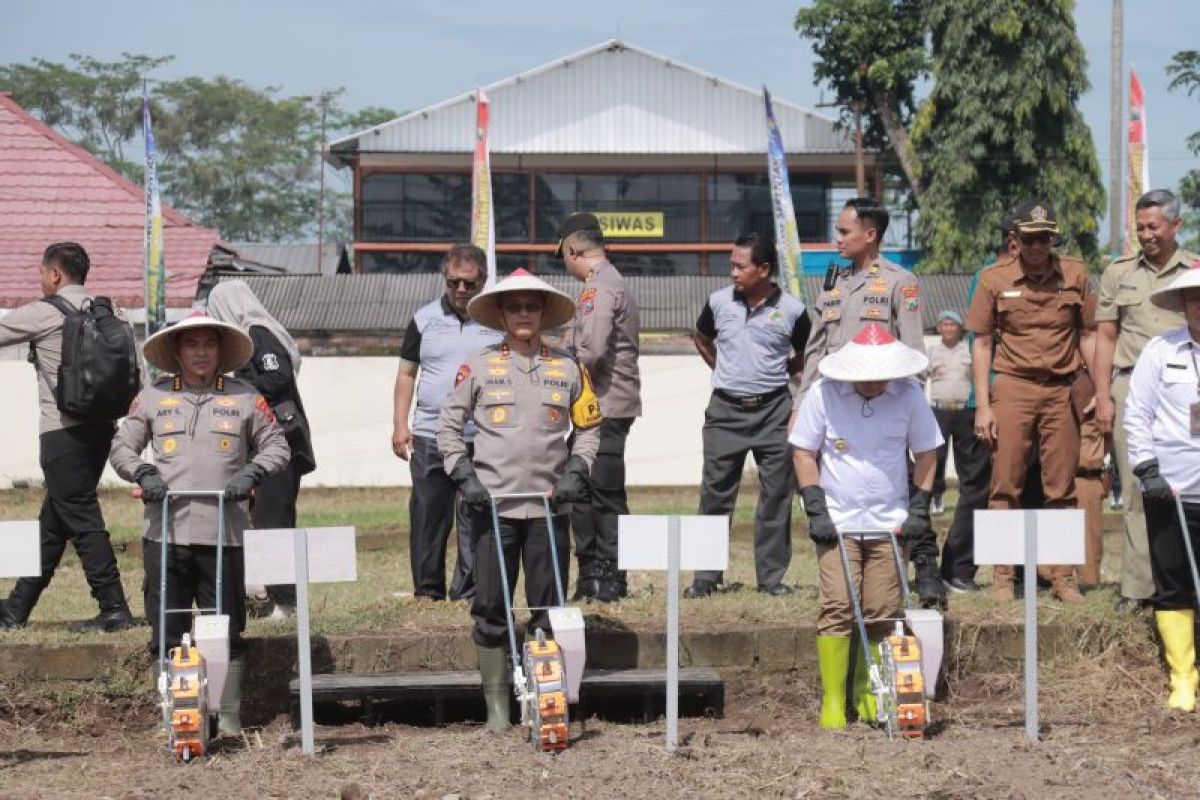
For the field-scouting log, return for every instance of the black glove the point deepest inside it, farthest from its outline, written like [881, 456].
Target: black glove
[572, 485]
[244, 481]
[1154, 485]
[473, 491]
[154, 488]
[917, 522]
[820, 526]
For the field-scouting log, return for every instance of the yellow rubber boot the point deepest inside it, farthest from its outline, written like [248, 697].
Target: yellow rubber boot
[833, 662]
[1178, 631]
[864, 698]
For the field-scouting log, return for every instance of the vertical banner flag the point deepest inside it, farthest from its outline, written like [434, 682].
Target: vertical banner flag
[154, 266]
[787, 238]
[1139, 162]
[483, 217]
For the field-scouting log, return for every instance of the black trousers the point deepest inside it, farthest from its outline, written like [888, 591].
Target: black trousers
[192, 582]
[595, 523]
[1173, 587]
[957, 426]
[72, 461]
[973, 463]
[433, 508]
[524, 540]
[274, 506]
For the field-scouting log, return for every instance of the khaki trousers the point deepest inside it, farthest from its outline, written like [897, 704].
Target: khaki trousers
[1089, 492]
[1136, 580]
[1024, 408]
[873, 568]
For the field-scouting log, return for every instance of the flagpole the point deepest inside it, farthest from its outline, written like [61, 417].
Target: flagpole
[483, 216]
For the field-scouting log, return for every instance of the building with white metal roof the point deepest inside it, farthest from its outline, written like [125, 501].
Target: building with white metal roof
[615, 129]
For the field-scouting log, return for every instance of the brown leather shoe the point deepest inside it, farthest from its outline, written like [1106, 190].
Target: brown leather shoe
[1002, 584]
[1064, 591]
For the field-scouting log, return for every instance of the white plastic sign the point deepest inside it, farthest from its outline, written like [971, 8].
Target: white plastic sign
[271, 556]
[642, 542]
[1000, 536]
[21, 544]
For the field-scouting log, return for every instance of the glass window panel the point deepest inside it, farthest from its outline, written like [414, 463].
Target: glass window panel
[410, 207]
[510, 193]
[675, 195]
[400, 262]
[741, 202]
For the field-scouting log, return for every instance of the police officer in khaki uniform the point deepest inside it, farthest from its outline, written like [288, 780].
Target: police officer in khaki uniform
[872, 289]
[525, 399]
[1035, 300]
[604, 338]
[1126, 320]
[208, 432]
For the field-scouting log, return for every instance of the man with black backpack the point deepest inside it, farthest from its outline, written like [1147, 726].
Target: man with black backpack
[74, 445]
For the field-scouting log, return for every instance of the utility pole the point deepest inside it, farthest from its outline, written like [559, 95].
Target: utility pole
[323, 101]
[860, 168]
[1116, 174]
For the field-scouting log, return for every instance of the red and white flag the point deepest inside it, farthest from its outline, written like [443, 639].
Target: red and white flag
[483, 216]
[1139, 162]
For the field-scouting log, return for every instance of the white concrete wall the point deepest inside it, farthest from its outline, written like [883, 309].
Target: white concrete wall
[349, 403]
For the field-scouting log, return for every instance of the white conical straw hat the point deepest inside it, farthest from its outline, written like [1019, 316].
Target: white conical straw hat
[484, 308]
[1171, 297]
[236, 347]
[873, 355]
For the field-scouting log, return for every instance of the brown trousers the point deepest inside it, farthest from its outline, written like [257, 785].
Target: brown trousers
[1024, 408]
[873, 568]
[1089, 490]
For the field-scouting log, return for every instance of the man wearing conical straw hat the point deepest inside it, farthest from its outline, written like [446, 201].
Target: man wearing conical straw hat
[525, 399]
[852, 435]
[1162, 424]
[208, 432]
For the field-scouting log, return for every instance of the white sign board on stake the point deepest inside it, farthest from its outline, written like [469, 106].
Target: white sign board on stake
[672, 543]
[301, 556]
[1030, 537]
[21, 544]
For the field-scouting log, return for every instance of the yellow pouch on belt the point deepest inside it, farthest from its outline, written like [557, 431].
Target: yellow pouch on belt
[585, 411]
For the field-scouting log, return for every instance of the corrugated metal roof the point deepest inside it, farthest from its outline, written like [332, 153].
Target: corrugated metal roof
[613, 98]
[383, 304]
[295, 258]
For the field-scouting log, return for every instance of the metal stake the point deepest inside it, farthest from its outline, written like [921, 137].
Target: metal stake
[1031, 629]
[305, 643]
[673, 552]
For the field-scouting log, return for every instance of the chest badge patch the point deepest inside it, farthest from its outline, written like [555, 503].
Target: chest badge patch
[910, 293]
[169, 402]
[169, 446]
[587, 301]
[555, 415]
[499, 415]
[841, 445]
[227, 402]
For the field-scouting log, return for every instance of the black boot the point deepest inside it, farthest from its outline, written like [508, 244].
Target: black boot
[114, 613]
[929, 583]
[15, 611]
[612, 583]
[9, 621]
[587, 585]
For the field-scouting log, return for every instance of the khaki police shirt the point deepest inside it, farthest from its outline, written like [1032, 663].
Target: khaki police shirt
[605, 339]
[1125, 289]
[1039, 321]
[200, 441]
[41, 324]
[881, 292]
[523, 409]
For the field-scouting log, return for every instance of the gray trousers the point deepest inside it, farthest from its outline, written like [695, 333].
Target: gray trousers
[1136, 579]
[730, 432]
[595, 523]
[431, 510]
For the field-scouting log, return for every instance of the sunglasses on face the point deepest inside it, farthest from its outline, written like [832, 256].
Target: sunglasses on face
[454, 283]
[517, 308]
[1036, 238]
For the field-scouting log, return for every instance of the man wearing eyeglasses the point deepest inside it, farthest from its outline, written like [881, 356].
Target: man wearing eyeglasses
[1035, 300]
[439, 338]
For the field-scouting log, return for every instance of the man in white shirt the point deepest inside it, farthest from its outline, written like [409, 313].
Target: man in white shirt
[1162, 426]
[853, 432]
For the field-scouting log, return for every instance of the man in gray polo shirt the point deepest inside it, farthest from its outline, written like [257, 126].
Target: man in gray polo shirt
[439, 338]
[753, 336]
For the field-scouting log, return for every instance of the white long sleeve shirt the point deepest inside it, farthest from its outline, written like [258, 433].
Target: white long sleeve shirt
[1164, 385]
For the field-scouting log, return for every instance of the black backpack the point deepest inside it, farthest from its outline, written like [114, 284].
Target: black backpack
[99, 375]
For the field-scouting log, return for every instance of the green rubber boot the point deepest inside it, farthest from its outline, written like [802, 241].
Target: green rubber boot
[833, 662]
[230, 719]
[493, 669]
[864, 699]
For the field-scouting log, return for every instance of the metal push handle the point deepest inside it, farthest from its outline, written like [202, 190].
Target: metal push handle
[852, 588]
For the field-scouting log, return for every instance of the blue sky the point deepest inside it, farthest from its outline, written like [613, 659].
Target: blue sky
[406, 55]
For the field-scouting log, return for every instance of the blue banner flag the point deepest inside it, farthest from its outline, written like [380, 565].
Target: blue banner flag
[787, 237]
[155, 267]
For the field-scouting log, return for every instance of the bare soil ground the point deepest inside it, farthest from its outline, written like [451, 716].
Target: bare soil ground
[1103, 731]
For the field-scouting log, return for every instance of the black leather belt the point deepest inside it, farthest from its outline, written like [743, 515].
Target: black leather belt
[749, 402]
[1090, 473]
[1123, 371]
[1045, 378]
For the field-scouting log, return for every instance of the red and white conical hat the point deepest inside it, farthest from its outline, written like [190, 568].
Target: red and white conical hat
[873, 355]
[484, 307]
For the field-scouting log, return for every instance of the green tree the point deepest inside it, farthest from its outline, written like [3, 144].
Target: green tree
[1184, 71]
[1002, 124]
[871, 52]
[231, 156]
